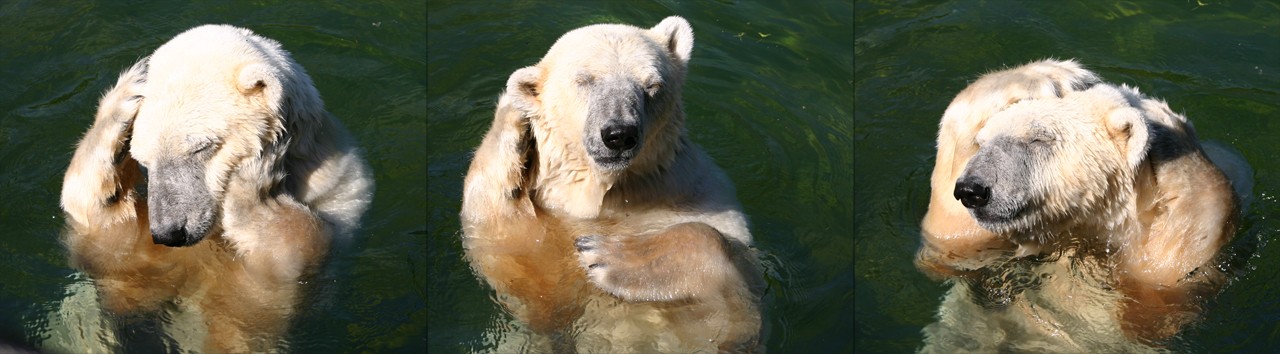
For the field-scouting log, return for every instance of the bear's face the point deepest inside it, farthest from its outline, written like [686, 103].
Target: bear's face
[184, 143]
[604, 93]
[1044, 163]
[206, 123]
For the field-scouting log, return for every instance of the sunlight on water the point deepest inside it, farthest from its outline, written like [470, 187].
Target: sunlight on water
[766, 98]
[367, 61]
[1203, 58]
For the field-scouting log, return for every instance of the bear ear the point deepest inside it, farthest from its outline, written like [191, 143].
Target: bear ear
[265, 80]
[260, 77]
[675, 34]
[1129, 131]
[523, 88]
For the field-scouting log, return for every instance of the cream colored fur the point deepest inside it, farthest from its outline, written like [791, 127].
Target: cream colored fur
[1134, 193]
[651, 257]
[285, 182]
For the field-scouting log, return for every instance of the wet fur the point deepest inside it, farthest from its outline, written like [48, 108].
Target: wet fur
[281, 183]
[1155, 216]
[581, 252]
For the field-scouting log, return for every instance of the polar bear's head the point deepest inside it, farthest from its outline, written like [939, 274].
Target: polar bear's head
[1044, 162]
[609, 94]
[221, 105]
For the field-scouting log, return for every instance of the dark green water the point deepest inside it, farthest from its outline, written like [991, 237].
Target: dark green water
[1218, 62]
[366, 58]
[767, 98]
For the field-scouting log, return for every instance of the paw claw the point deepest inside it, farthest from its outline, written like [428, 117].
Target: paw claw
[592, 256]
[584, 243]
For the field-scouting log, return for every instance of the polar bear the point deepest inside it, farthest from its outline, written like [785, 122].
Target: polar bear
[595, 218]
[248, 182]
[1046, 162]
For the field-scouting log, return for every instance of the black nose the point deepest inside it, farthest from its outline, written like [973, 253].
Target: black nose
[972, 194]
[619, 136]
[172, 236]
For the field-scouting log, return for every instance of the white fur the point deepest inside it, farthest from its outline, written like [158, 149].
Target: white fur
[1127, 192]
[655, 253]
[286, 181]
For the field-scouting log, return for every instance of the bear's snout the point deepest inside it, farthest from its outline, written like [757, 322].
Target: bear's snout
[171, 234]
[619, 137]
[180, 209]
[972, 193]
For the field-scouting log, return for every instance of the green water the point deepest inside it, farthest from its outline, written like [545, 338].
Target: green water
[767, 98]
[1218, 62]
[366, 58]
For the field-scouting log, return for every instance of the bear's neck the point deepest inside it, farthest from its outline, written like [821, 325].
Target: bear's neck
[658, 183]
[562, 180]
[565, 182]
[1113, 222]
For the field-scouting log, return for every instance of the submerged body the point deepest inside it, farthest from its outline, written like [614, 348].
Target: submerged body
[1046, 160]
[597, 221]
[249, 182]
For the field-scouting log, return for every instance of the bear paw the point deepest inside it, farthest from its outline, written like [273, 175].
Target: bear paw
[591, 256]
[120, 104]
[640, 270]
[608, 268]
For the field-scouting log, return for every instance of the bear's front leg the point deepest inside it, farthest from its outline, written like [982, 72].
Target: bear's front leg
[1152, 313]
[1161, 296]
[683, 261]
[953, 245]
[245, 313]
[276, 238]
[277, 243]
[494, 186]
[98, 188]
[107, 234]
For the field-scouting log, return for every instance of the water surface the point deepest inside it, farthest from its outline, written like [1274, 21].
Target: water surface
[366, 59]
[767, 97]
[1214, 61]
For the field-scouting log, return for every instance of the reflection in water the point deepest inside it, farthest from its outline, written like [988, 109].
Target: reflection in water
[772, 111]
[1051, 306]
[505, 334]
[1210, 60]
[1063, 303]
[78, 325]
[371, 76]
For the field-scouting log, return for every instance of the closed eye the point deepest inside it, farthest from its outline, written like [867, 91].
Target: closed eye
[652, 89]
[1040, 139]
[584, 79]
[651, 94]
[203, 146]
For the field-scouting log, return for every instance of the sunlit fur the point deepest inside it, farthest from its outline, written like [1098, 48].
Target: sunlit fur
[647, 255]
[1114, 175]
[285, 178]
